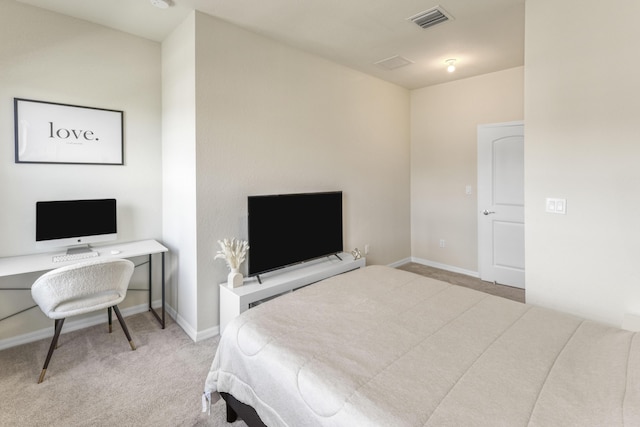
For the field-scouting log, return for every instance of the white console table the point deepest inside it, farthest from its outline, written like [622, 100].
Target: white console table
[234, 301]
[44, 261]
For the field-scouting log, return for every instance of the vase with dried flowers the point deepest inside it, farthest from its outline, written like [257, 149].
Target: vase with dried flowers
[234, 252]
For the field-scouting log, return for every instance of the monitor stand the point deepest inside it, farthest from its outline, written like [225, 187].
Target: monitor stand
[79, 250]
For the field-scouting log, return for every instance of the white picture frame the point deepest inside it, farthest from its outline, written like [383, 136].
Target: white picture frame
[49, 132]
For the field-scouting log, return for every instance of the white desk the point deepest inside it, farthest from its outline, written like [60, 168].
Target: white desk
[44, 261]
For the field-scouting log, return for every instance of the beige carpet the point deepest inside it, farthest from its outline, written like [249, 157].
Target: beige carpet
[94, 379]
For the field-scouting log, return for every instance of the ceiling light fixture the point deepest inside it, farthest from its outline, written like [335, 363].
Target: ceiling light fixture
[451, 65]
[162, 4]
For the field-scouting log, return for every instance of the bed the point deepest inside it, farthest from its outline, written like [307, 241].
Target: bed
[384, 347]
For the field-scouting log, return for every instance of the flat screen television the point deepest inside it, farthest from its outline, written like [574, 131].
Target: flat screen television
[289, 229]
[75, 222]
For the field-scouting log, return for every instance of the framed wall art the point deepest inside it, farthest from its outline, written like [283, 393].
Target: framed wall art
[48, 132]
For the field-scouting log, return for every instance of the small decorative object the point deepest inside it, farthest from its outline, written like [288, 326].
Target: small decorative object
[356, 253]
[234, 252]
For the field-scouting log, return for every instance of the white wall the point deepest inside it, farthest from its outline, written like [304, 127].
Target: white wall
[179, 171]
[50, 57]
[272, 119]
[444, 120]
[582, 138]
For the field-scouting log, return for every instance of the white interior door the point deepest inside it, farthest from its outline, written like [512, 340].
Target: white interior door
[501, 203]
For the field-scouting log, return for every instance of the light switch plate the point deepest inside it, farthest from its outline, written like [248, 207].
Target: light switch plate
[556, 206]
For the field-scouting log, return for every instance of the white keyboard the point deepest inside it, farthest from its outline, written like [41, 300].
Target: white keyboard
[73, 257]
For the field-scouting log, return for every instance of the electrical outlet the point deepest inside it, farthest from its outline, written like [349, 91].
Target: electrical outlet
[366, 249]
[442, 243]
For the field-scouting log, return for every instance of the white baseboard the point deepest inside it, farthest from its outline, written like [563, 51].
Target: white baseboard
[186, 327]
[401, 262]
[436, 265]
[75, 324]
[189, 330]
[208, 333]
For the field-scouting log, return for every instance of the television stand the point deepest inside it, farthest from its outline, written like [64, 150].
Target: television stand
[257, 276]
[234, 301]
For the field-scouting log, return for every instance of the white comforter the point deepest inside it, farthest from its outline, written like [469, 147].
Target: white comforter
[383, 347]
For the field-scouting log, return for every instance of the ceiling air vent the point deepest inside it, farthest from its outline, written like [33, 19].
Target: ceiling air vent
[394, 62]
[431, 17]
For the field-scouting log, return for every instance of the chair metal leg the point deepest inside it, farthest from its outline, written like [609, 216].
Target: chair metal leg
[109, 312]
[55, 326]
[124, 326]
[54, 342]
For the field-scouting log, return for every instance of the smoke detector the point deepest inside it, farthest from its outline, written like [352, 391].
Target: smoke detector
[429, 18]
[161, 4]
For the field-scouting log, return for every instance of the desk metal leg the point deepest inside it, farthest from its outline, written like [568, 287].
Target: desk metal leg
[155, 314]
[150, 284]
[163, 290]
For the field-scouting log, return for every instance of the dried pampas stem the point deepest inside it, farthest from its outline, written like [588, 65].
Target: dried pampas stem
[233, 251]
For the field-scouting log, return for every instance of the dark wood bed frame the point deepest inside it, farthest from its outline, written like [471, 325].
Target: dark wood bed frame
[236, 409]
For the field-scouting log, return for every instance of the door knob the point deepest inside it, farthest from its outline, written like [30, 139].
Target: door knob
[486, 212]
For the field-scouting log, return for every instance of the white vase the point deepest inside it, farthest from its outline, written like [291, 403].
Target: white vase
[234, 279]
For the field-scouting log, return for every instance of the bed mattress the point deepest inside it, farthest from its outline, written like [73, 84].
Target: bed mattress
[384, 347]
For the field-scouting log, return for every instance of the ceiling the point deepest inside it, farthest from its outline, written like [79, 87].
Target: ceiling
[483, 36]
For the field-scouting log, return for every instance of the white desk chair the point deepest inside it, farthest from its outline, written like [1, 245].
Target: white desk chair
[82, 288]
